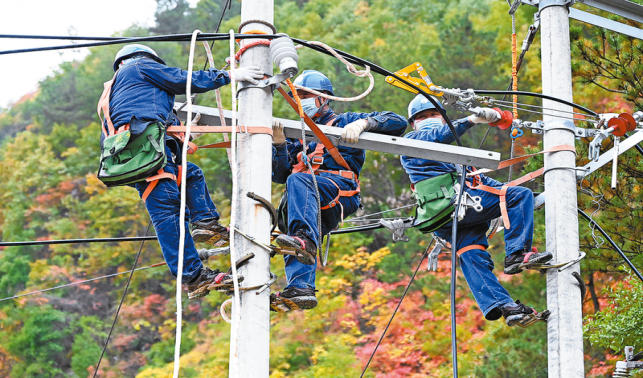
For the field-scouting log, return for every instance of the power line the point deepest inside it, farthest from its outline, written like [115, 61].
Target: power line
[397, 308]
[609, 239]
[118, 310]
[80, 282]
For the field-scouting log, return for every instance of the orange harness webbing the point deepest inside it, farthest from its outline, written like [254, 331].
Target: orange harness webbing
[332, 149]
[502, 192]
[467, 248]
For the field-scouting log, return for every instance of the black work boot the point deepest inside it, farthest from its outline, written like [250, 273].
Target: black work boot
[209, 279]
[303, 299]
[210, 231]
[518, 261]
[305, 247]
[521, 315]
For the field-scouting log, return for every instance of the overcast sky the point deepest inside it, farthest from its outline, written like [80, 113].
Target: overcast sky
[20, 73]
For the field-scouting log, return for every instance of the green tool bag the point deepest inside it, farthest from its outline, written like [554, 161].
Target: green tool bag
[435, 202]
[126, 158]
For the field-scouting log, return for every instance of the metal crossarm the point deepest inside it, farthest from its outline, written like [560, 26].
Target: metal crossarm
[376, 142]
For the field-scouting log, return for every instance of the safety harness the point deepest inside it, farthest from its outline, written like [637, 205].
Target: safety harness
[502, 192]
[103, 105]
[316, 158]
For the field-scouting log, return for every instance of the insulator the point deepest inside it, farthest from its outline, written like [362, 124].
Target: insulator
[621, 371]
[284, 55]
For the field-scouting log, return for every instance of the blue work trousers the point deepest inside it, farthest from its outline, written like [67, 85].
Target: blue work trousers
[302, 216]
[476, 264]
[163, 205]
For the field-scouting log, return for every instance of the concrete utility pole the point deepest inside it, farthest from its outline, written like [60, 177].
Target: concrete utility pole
[255, 167]
[564, 328]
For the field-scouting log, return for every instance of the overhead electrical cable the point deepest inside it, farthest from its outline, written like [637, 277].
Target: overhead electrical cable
[120, 304]
[399, 303]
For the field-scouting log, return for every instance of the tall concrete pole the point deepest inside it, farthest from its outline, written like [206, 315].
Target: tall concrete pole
[255, 167]
[564, 328]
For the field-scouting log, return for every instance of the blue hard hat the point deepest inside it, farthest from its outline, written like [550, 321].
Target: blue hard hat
[420, 104]
[315, 80]
[130, 50]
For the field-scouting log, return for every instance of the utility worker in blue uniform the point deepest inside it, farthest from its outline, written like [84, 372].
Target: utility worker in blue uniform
[477, 266]
[338, 187]
[142, 93]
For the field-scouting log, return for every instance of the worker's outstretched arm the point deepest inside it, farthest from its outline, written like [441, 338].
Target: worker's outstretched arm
[443, 134]
[173, 79]
[387, 123]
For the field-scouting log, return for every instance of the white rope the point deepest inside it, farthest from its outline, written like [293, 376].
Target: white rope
[217, 92]
[184, 164]
[234, 332]
[350, 67]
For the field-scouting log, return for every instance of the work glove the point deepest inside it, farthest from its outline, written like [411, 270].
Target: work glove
[485, 115]
[351, 132]
[251, 74]
[278, 136]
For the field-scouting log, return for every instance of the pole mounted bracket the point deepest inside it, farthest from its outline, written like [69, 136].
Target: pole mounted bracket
[272, 82]
[542, 4]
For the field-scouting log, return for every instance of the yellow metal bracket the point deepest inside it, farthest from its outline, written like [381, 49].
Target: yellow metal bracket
[424, 82]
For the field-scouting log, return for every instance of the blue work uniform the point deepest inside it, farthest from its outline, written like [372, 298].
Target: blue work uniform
[300, 190]
[143, 92]
[476, 264]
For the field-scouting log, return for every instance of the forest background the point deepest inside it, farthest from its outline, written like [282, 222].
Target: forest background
[48, 190]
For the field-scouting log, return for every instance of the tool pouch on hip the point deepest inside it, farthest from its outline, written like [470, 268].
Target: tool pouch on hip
[435, 202]
[127, 158]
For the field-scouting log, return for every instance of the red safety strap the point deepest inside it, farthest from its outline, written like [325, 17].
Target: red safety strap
[332, 150]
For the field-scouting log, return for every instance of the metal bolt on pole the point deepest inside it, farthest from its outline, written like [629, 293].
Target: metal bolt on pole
[255, 159]
[564, 328]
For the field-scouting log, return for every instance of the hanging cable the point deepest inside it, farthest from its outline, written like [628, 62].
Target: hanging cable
[399, 303]
[454, 256]
[609, 239]
[118, 310]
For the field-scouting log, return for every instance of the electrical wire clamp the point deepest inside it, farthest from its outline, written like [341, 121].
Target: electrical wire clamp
[397, 228]
[467, 201]
[424, 83]
[432, 259]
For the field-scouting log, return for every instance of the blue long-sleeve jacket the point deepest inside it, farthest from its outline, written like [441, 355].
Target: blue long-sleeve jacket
[145, 89]
[285, 156]
[422, 169]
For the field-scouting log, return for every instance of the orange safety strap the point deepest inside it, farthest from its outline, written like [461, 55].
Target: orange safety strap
[103, 104]
[316, 157]
[516, 160]
[467, 248]
[226, 144]
[332, 150]
[161, 174]
[342, 193]
[192, 147]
